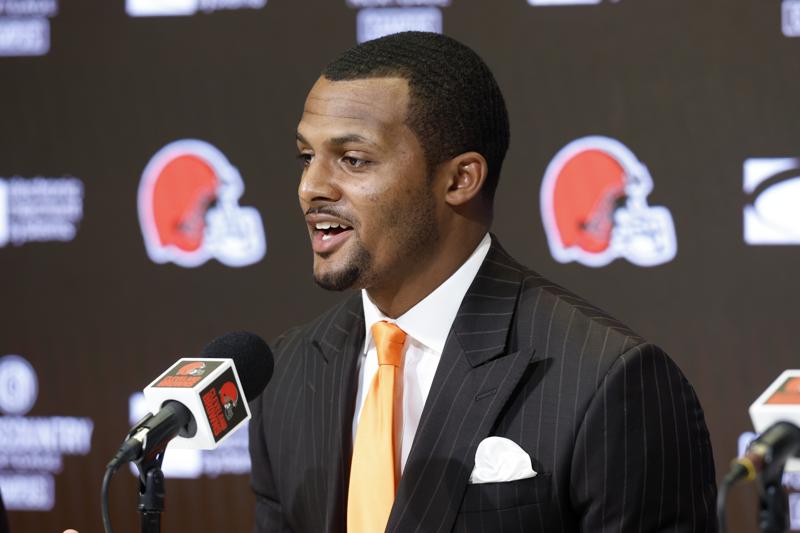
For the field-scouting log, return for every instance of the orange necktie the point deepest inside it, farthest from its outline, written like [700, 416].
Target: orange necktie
[373, 474]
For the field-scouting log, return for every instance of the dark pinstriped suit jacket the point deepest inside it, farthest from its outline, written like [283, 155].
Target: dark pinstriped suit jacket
[613, 428]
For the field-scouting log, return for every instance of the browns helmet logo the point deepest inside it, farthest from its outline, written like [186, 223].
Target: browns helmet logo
[594, 207]
[195, 368]
[229, 398]
[189, 208]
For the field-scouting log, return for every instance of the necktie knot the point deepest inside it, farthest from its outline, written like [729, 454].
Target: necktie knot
[389, 342]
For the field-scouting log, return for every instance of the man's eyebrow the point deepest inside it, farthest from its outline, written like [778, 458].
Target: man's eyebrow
[349, 138]
[340, 140]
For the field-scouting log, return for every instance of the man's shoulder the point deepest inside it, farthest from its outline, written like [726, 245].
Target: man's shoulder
[575, 336]
[555, 303]
[557, 322]
[551, 305]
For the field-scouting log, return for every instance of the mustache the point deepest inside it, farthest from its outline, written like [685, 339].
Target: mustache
[332, 211]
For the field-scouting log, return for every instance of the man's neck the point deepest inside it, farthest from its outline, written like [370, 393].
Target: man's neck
[394, 301]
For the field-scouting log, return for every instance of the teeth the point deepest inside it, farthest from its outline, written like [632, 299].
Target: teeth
[329, 225]
[326, 237]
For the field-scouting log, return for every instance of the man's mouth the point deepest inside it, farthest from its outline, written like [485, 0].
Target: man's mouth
[329, 230]
[328, 235]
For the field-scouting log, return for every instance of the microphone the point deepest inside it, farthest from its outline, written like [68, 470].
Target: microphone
[768, 453]
[776, 415]
[199, 401]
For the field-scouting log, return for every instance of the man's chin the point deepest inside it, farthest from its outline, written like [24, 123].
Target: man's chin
[342, 272]
[338, 280]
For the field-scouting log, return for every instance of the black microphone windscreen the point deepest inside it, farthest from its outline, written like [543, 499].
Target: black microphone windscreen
[250, 354]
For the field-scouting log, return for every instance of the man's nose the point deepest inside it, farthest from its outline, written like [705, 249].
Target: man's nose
[318, 183]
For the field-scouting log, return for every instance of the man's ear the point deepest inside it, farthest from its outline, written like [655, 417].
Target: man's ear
[466, 176]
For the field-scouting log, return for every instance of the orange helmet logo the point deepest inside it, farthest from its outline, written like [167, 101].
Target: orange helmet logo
[195, 368]
[229, 398]
[189, 208]
[594, 207]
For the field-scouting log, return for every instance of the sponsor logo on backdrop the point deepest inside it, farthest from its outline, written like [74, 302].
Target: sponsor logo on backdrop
[772, 189]
[790, 18]
[594, 207]
[176, 8]
[18, 385]
[374, 23]
[377, 18]
[231, 457]
[39, 209]
[397, 3]
[32, 447]
[791, 481]
[565, 2]
[25, 27]
[189, 208]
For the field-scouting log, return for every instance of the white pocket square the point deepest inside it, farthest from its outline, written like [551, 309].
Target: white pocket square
[498, 459]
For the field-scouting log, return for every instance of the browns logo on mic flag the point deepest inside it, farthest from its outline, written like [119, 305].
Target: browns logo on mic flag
[212, 391]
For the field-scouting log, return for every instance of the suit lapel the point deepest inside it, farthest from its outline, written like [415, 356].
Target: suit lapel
[332, 386]
[480, 367]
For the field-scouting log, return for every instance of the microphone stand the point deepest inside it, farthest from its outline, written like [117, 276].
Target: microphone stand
[150, 437]
[151, 491]
[772, 515]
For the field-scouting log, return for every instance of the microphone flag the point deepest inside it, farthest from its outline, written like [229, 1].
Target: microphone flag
[210, 388]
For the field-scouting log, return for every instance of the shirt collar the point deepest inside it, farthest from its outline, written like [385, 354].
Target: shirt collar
[430, 320]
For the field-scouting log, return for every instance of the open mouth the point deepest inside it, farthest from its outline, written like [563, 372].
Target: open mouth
[329, 235]
[329, 230]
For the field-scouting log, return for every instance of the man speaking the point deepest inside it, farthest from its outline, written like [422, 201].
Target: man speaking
[458, 390]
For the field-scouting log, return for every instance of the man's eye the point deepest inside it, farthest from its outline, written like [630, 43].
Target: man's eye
[305, 159]
[354, 162]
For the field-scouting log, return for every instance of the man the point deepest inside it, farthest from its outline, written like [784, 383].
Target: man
[581, 425]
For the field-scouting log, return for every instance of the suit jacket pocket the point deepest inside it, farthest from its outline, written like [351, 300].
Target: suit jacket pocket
[506, 495]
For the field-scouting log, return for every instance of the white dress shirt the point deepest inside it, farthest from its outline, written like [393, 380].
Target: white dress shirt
[427, 326]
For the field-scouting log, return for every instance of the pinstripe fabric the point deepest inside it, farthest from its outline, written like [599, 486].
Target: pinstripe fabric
[612, 426]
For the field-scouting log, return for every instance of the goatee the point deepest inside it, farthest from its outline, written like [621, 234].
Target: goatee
[349, 275]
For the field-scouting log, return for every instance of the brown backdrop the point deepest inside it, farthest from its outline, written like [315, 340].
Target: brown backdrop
[692, 88]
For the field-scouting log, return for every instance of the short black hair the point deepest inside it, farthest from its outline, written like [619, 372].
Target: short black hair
[455, 104]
